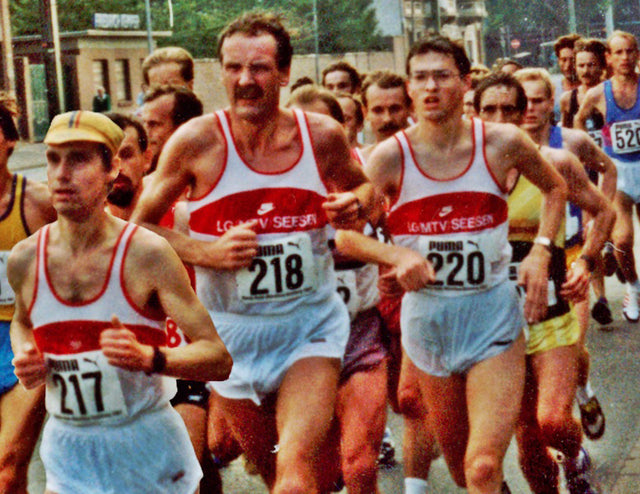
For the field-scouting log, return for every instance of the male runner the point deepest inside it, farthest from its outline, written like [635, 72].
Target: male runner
[262, 196]
[387, 106]
[92, 293]
[564, 50]
[591, 63]
[353, 112]
[25, 206]
[165, 109]
[445, 179]
[618, 100]
[133, 160]
[546, 415]
[341, 77]
[169, 65]
[387, 109]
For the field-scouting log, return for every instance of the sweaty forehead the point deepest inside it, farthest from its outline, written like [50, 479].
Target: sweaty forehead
[379, 96]
[432, 60]
[499, 95]
[166, 73]
[243, 48]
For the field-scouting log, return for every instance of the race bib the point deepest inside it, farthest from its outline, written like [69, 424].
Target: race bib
[83, 387]
[460, 262]
[284, 269]
[552, 299]
[625, 137]
[7, 297]
[348, 290]
[596, 135]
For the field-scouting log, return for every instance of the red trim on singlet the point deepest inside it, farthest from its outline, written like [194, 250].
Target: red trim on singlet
[279, 172]
[468, 211]
[104, 285]
[217, 217]
[69, 337]
[486, 161]
[224, 163]
[313, 149]
[356, 157]
[473, 155]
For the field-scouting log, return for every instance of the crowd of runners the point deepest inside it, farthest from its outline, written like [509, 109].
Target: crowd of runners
[262, 281]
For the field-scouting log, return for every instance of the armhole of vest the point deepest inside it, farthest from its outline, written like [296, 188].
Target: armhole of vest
[307, 141]
[480, 141]
[127, 239]
[40, 245]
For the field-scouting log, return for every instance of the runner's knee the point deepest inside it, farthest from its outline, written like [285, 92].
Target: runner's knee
[482, 469]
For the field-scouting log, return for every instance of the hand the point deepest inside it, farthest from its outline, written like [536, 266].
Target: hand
[30, 367]
[388, 284]
[123, 350]
[533, 276]
[576, 287]
[413, 271]
[344, 211]
[237, 247]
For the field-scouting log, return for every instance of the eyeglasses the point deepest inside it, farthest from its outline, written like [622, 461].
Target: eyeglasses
[440, 77]
[504, 109]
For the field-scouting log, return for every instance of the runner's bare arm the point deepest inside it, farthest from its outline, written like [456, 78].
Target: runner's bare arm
[565, 100]
[29, 364]
[153, 268]
[351, 199]
[519, 151]
[412, 270]
[236, 248]
[590, 155]
[384, 169]
[588, 198]
[593, 100]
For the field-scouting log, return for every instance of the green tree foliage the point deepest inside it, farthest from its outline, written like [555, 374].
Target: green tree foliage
[343, 25]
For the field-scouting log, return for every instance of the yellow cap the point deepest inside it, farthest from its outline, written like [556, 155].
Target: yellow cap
[84, 126]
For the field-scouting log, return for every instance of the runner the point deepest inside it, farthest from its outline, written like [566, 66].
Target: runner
[591, 64]
[546, 416]
[419, 172]
[341, 77]
[264, 270]
[92, 293]
[617, 99]
[353, 112]
[165, 109]
[564, 50]
[387, 109]
[25, 206]
[169, 65]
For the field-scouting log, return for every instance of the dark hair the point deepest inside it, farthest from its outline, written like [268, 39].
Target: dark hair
[256, 23]
[343, 66]
[566, 41]
[124, 121]
[301, 81]
[169, 54]
[595, 46]
[8, 125]
[357, 102]
[384, 79]
[186, 103]
[308, 94]
[500, 79]
[440, 44]
[503, 62]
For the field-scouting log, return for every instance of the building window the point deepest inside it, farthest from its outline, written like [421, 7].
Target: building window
[100, 74]
[122, 80]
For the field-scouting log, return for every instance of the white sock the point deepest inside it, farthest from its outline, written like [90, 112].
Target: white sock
[584, 393]
[414, 485]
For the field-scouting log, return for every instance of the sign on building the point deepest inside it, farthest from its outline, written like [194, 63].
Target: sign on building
[116, 21]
